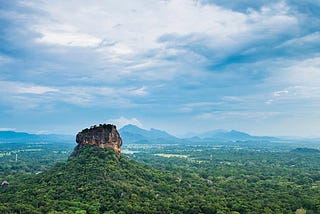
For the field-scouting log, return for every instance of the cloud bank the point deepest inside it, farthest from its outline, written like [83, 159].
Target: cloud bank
[173, 64]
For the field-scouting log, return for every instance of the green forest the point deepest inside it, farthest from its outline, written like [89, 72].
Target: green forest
[165, 179]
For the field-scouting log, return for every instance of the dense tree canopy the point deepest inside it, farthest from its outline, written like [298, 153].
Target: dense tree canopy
[200, 180]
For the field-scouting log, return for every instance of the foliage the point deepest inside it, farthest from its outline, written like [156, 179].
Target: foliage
[202, 179]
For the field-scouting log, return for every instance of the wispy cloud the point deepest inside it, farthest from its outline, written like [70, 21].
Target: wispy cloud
[202, 106]
[72, 39]
[7, 129]
[194, 29]
[24, 88]
[222, 62]
[20, 94]
[280, 93]
[308, 41]
[236, 115]
[122, 121]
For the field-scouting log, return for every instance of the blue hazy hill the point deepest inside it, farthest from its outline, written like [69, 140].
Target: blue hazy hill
[232, 135]
[133, 134]
[23, 137]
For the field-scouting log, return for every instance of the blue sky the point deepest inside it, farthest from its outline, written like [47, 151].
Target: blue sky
[180, 66]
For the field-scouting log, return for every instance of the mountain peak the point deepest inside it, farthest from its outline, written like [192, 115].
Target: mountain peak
[131, 127]
[134, 134]
[226, 135]
[103, 136]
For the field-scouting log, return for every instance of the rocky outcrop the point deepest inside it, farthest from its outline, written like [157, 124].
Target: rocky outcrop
[103, 136]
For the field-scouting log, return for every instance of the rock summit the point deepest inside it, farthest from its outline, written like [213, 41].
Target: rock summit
[103, 136]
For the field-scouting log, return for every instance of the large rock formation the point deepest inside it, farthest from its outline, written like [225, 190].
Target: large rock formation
[103, 136]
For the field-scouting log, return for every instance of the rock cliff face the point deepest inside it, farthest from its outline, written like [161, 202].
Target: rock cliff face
[103, 136]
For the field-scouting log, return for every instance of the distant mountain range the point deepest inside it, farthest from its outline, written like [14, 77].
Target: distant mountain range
[134, 134]
[232, 135]
[23, 137]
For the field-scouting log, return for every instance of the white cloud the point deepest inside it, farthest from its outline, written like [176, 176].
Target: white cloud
[118, 41]
[111, 54]
[30, 96]
[297, 72]
[120, 49]
[268, 102]
[35, 90]
[298, 92]
[235, 115]
[280, 93]
[309, 39]
[140, 91]
[122, 121]
[71, 39]
[303, 72]
[199, 106]
[24, 88]
[205, 116]
[294, 81]
[7, 129]
[113, 97]
[126, 32]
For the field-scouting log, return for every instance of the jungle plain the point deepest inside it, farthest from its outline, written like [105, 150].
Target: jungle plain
[184, 177]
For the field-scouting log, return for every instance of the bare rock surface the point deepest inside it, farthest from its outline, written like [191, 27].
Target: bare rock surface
[103, 136]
